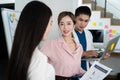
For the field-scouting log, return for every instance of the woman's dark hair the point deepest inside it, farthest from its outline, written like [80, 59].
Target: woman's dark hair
[66, 13]
[30, 30]
[83, 10]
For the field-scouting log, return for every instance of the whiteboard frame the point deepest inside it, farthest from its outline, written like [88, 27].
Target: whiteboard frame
[6, 27]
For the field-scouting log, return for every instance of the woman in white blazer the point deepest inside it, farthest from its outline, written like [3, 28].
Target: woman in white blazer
[27, 62]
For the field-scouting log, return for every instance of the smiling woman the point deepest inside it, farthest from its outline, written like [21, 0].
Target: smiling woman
[64, 53]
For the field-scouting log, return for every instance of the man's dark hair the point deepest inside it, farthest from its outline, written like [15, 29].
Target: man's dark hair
[83, 10]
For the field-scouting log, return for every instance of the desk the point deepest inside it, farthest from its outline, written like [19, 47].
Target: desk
[113, 62]
[111, 77]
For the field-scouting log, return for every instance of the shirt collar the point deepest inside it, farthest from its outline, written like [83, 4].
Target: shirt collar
[62, 41]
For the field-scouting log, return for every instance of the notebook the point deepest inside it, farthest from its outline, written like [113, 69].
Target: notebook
[109, 49]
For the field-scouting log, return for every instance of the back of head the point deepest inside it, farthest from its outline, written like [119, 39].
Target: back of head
[31, 27]
[34, 20]
[83, 10]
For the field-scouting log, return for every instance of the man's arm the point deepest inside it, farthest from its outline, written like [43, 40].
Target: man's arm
[90, 53]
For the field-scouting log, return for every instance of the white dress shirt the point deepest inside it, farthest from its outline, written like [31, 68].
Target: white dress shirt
[89, 42]
[39, 68]
[89, 39]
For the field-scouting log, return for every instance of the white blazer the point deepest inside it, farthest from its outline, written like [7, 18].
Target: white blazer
[39, 68]
[89, 39]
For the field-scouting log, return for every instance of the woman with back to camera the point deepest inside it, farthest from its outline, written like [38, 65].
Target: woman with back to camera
[64, 53]
[26, 61]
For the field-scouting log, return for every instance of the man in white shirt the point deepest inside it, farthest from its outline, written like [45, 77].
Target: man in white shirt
[82, 35]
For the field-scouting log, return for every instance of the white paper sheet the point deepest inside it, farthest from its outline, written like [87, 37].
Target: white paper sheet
[97, 71]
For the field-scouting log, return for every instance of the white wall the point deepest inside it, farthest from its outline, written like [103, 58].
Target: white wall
[112, 6]
[57, 6]
[6, 1]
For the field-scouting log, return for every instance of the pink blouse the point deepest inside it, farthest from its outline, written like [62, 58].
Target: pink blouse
[63, 60]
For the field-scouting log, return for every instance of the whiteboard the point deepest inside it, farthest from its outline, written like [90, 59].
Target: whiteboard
[10, 19]
[110, 31]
